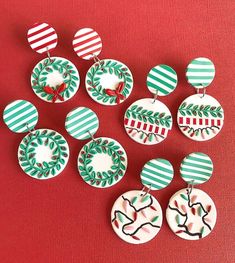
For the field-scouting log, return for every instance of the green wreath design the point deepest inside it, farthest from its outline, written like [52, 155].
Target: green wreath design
[200, 110]
[40, 72]
[141, 114]
[27, 153]
[112, 67]
[104, 178]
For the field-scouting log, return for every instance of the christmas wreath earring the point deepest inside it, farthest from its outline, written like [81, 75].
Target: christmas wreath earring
[147, 121]
[136, 215]
[191, 213]
[43, 153]
[200, 116]
[108, 81]
[53, 79]
[102, 162]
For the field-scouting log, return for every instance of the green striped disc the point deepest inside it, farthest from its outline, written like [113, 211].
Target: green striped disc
[196, 168]
[157, 174]
[162, 80]
[200, 72]
[20, 116]
[81, 123]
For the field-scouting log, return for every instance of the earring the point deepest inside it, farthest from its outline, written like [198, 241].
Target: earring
[53, 79]
[102, 162]
[108, 81]
[136, 215]
[147, 121]
[200, 116]
[191, 213]
[43, 153]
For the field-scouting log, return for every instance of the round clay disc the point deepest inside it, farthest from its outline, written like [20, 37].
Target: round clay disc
[43, 154]
[102, 163]
[109, 82]
[191, 215]
[200, 118]
[136, 217]
[147, 121]
[55, 79]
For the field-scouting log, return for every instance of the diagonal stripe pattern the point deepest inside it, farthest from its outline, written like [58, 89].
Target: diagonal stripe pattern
[19, 113]
[196, 168]
[162, 80]
[87, 43]
[81, 123]
[157, 173]
[42, 37]
[200, 72]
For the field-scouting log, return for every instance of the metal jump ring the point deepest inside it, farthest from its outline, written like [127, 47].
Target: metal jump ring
[92, 137]
[201, 95]
[155, 97]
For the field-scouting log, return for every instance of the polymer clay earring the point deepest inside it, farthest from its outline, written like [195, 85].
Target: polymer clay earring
[191, 213]
[136, 216]
[53, 79]
[108, 81]
[147, 121]
[43, 153]
[200, 116]
[102, 162]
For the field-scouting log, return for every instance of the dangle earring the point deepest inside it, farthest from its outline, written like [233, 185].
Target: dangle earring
[102, 162]
[191, 213]
[136, 215]
[200, 116]
[43, 153]
[147, 121]
[108, 81]
[53, 79]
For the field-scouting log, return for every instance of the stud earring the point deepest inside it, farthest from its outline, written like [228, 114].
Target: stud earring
[43, 153]
[53, 79]
[108, 81]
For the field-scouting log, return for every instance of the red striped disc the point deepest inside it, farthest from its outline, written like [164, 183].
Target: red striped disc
[87, 43]
[42, 37]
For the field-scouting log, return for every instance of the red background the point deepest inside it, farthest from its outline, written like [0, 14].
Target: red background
[64, 219]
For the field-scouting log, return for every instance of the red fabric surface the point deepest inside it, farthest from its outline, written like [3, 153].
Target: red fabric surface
[66, 220]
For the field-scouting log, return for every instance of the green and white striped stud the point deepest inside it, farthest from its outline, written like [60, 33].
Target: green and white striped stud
[157, 174]
[20, 116]
[200, 72]
[196, 168]
[162, 80]
[81, 123]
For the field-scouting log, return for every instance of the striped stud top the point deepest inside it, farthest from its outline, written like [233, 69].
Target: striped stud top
[20, 116]
[162, 80]
[196, 168]
[157, 174]
[87, 43]
[200, 72]
[81, 123]
[42, 37]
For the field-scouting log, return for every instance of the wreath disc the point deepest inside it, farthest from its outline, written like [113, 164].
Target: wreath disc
[200, 118]
[109, 82]
[148, 122]
[55, 79]
[136, 217]
[191, 214]
[43, 154]
[102, 162]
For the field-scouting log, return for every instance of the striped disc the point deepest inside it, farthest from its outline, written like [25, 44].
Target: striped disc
[42, 37]
[196, 168]
[157, 174]
[20, 116]
[87, 43]
[81, 123]
[200, 72]
[162, 80]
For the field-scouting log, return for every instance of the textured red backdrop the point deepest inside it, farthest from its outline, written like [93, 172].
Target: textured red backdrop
[64, 219]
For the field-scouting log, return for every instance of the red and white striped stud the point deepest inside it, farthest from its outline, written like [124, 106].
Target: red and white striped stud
[42, 37]
[87, 43]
